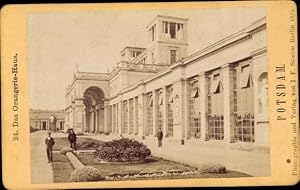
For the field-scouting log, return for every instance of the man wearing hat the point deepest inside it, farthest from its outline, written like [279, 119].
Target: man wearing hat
[49, 144]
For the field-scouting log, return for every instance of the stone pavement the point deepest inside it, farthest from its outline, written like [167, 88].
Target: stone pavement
[255, 162]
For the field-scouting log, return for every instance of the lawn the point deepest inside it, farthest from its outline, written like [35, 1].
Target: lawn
[62, 168]
[152, 165]
[61, 142]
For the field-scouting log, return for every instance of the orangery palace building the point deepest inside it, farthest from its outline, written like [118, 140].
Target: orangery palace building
[219, 93]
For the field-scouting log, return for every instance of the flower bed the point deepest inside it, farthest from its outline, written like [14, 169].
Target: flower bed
[122, 150]
[119, 176]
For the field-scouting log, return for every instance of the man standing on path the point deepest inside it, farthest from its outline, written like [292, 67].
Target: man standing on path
[159, 137]
[72, 139]
[49, 144]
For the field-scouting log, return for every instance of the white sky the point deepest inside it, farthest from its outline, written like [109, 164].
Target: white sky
[57, 42]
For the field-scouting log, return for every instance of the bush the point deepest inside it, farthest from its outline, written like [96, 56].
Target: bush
[88, 145]
[123, 150]
[212, 167]
[65, 150]
[86, 173]
[33, 129]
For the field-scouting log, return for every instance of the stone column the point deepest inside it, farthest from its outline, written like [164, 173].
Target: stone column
[97, 120]
[203, 92]
[84, 120]
[113, 116]
[165, 111]
[107, 126]
[73, 115]
[135, 117]
[128, 112]
[92, 121]
[227, 83]
[154, 96]
[184, 110]
[78, 121]
[144, 114]
[179, 111]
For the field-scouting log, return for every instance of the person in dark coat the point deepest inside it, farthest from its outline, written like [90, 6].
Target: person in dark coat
[159, 137]
[72, 139]
[49, 141]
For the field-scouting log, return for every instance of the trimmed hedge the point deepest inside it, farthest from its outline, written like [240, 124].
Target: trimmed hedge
[65, 150]
[86, 173]
[212, 167]
[123, 150]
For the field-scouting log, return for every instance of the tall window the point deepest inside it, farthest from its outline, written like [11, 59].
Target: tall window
[170, 112]
[172, 30]
[194, 109]
[150, 114]
[173, 56]
[243, 103]
[131, 124]
[215, 107]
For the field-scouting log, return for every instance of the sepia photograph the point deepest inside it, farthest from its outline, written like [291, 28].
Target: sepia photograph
[152, 94]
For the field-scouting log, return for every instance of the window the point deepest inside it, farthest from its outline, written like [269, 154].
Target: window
[215, 107]
[173, 56]
[173, 30]
[216, 127]
[194, 109]
[243, 103]
[216, 84]
[245, 77]
[165, 27]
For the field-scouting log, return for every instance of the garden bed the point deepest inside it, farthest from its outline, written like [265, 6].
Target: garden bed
[153, 168]
[61, 142]
[62, 168]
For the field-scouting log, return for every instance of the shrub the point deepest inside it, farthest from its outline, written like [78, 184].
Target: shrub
[212, 167]
[123, 150]
[88, 145]
[33, 129]
[65, 150]
[86, 173]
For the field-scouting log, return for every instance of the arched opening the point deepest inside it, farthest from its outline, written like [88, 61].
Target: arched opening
[262, 90]
[52, 121]
[94, 110]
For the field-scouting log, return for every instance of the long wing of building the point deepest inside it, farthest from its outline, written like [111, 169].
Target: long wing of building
[218, 93]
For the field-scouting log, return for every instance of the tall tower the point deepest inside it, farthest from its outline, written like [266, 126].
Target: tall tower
[168, 42]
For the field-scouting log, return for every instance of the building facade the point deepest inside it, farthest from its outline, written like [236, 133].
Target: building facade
[219, 93]
[47, 119]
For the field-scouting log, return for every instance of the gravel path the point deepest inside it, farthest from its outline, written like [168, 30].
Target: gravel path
[41, 170]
